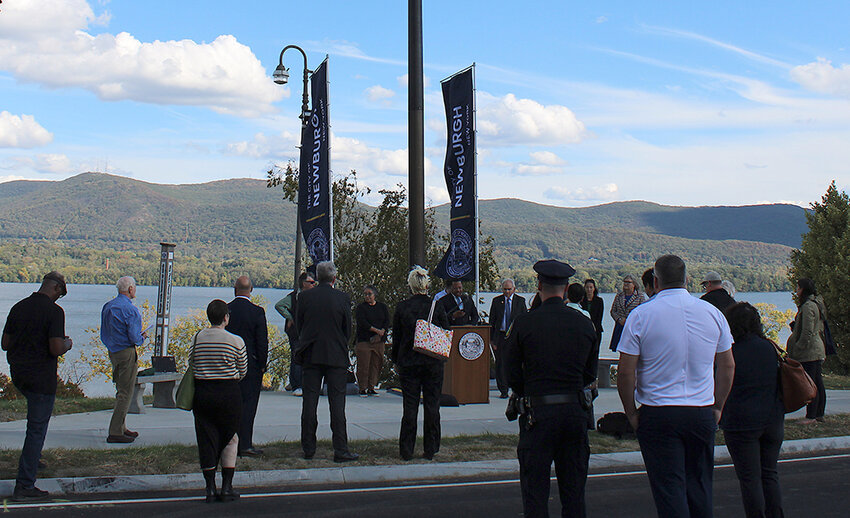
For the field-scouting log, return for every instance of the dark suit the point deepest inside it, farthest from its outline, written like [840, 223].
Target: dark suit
[248, 321]
[449, 305]
[323, 320]
[497, 333]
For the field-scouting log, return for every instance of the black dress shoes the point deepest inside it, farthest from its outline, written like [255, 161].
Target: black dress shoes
[30, 494]
[250, 452]
[345, 456]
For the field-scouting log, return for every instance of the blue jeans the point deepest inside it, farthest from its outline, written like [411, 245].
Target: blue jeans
[39, 408]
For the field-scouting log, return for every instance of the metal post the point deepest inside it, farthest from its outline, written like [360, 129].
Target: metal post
[477, 218]
[163, 309]
[416, 135]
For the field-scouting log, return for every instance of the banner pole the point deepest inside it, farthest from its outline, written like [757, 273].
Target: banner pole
[475, 176]
[330, 174]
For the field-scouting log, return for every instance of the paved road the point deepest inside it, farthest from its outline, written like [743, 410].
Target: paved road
[816, 486]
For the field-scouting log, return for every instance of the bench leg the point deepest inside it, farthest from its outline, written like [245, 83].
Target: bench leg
[163, 394]
[137, 404]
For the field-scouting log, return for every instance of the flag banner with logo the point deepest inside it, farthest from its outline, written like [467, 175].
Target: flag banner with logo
[314, 186]
[459, 171]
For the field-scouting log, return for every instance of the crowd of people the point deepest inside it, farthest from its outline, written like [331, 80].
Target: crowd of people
[685, 367]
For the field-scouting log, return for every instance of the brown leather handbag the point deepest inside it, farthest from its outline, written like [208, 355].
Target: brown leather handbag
[798, 389]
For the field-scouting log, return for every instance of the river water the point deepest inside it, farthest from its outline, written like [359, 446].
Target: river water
[83, 303]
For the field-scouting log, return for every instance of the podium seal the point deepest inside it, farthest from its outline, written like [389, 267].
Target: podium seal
[471, 346]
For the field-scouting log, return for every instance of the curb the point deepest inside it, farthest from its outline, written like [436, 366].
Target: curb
[367, 474]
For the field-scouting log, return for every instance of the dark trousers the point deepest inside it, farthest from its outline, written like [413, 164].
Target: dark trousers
[559, 435]
[501, 374]
[250, 387]
[295, 371]
[755, 454]
[39, 408]
[217, 409]
[428, 381]
[336, 378]
[677, 444]
[817, 407]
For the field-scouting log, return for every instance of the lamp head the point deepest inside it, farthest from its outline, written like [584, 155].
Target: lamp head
[281, 75]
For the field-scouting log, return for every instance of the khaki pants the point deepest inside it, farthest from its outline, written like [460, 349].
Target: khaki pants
[370, 360]
[124, 369]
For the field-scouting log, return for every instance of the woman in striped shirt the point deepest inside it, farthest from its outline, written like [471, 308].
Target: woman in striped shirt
[219, 360]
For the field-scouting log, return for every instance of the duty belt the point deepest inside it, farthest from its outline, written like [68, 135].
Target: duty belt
[553, 399]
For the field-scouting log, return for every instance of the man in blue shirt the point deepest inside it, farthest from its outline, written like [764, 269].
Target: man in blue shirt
[121, 332]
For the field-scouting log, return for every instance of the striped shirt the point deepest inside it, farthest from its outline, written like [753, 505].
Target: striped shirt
[219, 355]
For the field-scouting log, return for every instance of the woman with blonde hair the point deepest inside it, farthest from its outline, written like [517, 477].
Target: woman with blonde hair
[625, 301]
[418, 373]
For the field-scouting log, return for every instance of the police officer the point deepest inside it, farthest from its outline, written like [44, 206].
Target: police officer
[549, 363]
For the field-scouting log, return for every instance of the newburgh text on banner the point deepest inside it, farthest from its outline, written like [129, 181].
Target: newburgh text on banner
[314, 186]
[459, 170]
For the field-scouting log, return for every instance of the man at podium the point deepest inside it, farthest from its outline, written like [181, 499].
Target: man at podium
[458, 306]
[549, 362]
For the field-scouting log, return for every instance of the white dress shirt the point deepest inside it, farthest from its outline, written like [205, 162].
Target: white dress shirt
[675, 337]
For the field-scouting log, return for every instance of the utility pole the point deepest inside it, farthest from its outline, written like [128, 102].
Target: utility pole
[416, 135]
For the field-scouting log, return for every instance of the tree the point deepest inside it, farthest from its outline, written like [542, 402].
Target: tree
[824, 257]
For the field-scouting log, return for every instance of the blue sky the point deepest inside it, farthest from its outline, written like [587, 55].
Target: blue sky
[579, 103]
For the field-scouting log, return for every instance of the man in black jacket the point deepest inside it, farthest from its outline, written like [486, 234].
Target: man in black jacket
[323, 321]
[714, 292]
[548, 362]
[248, 321]
[458, 306]
[500, 322]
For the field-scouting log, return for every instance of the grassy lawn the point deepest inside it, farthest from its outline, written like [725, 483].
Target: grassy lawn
[836, 382]
[287, 455]
[12, 410]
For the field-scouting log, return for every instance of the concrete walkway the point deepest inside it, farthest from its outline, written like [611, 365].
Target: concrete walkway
[279, 418]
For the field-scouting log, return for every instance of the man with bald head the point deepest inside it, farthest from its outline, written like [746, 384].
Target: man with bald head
[248, 321]
[121, 331]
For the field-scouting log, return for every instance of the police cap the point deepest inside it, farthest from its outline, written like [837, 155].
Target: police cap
[553, 272]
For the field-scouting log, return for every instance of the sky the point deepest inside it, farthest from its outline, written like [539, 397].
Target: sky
[578, 103]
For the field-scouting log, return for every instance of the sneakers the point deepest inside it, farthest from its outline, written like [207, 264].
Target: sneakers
[30, 494]
[120, 439]
[298, 392]
[372, 392]
[363, 393]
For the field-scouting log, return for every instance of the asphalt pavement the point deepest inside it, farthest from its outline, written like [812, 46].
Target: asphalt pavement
[815, 486]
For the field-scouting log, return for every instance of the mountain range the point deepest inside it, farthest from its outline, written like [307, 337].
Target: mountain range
[239, 224]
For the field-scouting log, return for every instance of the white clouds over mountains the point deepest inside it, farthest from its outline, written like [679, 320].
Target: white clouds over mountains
[22, 131]
[509, 121]
[822, 77]
[45, 41]
[602, 193]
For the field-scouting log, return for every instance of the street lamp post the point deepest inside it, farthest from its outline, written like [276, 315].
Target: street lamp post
[281, 77]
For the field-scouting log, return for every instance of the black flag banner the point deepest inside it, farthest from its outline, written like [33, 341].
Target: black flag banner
[459, 170]
[314, 186]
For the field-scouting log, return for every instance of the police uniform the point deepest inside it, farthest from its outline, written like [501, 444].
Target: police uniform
[549, 362]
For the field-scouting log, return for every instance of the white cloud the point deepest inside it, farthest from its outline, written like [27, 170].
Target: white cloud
[605, 192]
[601, 19]
[716, 43]
[436, 194]
[348, 49]
[404, 80]
[379, 94]
[46, 42]
[546, 158]
[49, 163]
[511, 121]
[350, 153]
[822, 77]
[280, 146]
[22, 131]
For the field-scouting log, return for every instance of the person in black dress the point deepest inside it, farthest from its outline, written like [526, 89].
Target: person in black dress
[418, 373]
[593, 304]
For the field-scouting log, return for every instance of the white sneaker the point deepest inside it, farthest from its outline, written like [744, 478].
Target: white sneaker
[298, 392]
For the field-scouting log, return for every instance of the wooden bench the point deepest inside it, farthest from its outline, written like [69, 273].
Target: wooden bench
[163, 391]
[603, 372]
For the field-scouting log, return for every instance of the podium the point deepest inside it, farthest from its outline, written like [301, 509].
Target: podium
[467, 372]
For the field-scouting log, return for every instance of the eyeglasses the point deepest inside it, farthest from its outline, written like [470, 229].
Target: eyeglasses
[59, 282]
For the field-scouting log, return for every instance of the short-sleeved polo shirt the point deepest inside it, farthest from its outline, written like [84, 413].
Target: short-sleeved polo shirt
[31, 323]
[676, 337]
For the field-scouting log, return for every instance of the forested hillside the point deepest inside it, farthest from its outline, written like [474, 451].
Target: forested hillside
[229, 227]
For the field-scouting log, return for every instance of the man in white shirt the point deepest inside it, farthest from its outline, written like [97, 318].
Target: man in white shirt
[668, 353]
